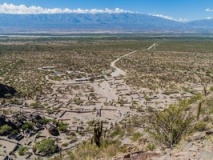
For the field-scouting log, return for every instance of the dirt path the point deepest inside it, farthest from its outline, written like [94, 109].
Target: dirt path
[117, 72]
[152, 46]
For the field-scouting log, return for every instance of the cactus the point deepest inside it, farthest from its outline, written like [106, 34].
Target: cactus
[97, 133]
[204, 91]
[198, 110]
[98, 114]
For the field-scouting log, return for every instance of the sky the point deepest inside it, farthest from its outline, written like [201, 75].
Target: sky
[180, 10]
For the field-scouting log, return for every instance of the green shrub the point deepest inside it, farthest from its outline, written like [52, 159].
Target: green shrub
[139, 109]
[123, 149]
[65, 144]
[120, 101]
[209, 103]
[61, 126]
[22, 150]
[195, 98]
[27, 125]
[111, 150]
[135, 136]
[85, 151]
[118, 132]
[43, 121]
[168, 126]
[46, 146]
[36, 105]
[5, 129]
[211, 88]
[150, 147]
[150, 109]
[91, 122]
[200, 126]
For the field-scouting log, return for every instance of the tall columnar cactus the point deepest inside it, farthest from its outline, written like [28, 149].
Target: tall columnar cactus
[98, 128]
[204, 91]
[199, 110]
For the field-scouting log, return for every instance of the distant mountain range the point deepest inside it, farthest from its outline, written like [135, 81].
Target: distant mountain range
[103, 22]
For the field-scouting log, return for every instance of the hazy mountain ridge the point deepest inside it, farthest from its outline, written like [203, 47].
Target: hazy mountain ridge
[119, 22]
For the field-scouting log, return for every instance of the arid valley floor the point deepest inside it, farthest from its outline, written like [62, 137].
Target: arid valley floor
[106, 98]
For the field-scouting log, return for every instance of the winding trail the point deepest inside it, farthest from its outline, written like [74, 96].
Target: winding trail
[118, 71]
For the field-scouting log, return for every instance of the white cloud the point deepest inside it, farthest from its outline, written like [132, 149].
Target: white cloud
[208, 10]
[6, 8]
[169, 18]
[209, 18]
